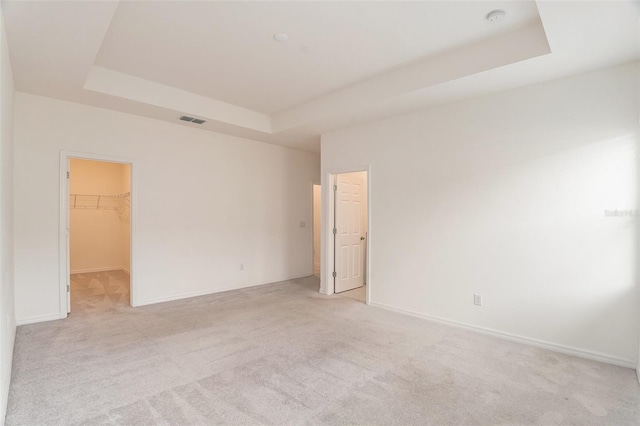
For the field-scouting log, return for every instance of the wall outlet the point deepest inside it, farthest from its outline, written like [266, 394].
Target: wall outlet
[303, 224]
[242, 266]
[477, 299]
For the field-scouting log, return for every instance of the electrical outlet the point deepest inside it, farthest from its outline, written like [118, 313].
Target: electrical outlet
[477, 299]
[242, 266]
[303, 224]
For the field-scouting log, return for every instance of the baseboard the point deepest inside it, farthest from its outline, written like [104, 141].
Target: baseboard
[218, 290]
[567, 350]
[7, 368]
[42, 318]
[104, 269]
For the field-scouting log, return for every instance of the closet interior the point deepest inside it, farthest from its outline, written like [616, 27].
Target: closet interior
[99, 235]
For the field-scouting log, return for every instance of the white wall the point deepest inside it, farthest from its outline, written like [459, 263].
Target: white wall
[206, 203]
[7, 313]
[504, 195]
[99, 238]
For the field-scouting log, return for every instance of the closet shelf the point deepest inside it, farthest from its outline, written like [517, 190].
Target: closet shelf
[100, 202]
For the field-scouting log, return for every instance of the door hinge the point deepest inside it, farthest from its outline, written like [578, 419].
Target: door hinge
[68, 289]
[335, 187]
[335, 231]
[334, 274]
[67, 175]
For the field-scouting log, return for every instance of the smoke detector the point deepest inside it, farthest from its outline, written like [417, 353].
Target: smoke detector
[282, 37]
[496, 15]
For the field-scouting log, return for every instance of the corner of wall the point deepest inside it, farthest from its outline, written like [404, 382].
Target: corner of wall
[7, 284]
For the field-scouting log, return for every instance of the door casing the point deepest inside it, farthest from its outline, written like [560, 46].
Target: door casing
[64, 267]
[327, 243]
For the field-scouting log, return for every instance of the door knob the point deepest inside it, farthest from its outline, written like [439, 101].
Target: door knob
[361, 238]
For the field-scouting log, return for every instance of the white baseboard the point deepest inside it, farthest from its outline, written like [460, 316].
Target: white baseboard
[568, 350]
[103, 269]
[218, 290]
[7, 367]
[42, 318]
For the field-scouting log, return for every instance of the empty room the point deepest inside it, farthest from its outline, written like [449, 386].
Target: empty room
[319, 212]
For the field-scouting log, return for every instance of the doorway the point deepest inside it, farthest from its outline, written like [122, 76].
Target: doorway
[350, 234]
[97, 248]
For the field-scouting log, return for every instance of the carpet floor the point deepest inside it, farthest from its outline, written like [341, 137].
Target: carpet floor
[283, 354]
[99, 291]
[359, 294]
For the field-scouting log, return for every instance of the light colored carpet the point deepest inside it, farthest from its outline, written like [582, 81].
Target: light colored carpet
[359, 294]
[99, 291]
[283, 354]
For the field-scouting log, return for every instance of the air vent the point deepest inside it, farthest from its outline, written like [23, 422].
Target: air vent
[191, 119]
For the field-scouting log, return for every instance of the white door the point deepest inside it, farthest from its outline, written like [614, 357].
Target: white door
[349, 259]
[317, 228]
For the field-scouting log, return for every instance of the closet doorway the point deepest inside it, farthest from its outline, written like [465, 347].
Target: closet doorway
[98, 237]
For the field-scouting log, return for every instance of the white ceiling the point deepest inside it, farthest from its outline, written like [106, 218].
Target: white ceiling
[226, 51]
[344, 63]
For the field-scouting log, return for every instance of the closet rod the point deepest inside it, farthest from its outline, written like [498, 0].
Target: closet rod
[100, 201]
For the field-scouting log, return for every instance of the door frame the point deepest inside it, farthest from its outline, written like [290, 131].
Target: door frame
[327, 284]
[64, 258]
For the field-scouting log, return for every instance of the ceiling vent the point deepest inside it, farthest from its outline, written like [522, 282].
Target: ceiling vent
[191, 119]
